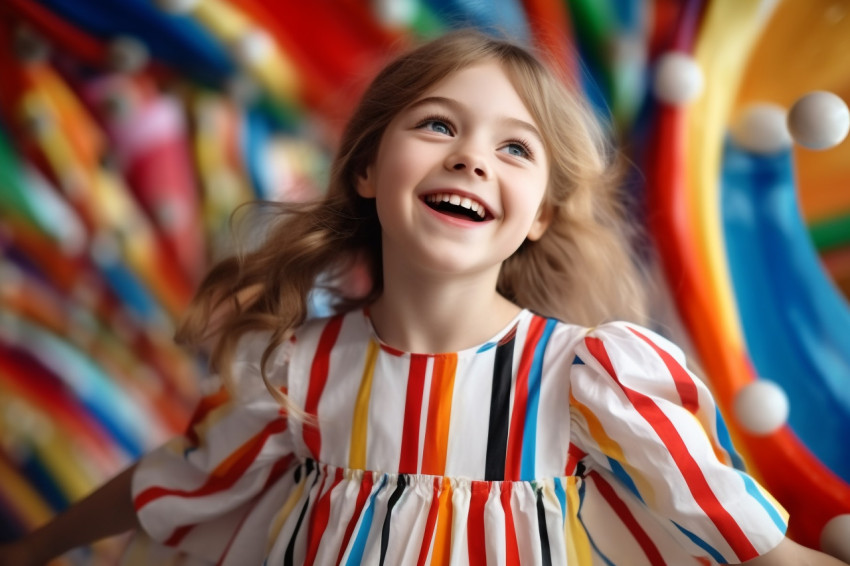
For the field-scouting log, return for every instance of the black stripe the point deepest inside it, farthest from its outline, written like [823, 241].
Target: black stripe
[500, 409]
[385, 531]
[290, 548]
[541, 526]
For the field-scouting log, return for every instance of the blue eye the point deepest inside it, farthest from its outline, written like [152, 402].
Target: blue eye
[436, 124]
[518, 148]
[439, 127]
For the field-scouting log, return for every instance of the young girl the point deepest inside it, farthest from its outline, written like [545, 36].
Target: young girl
[446, 415]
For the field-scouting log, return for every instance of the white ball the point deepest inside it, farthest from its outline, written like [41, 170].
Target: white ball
[761, 128]
[819, 120]
[761, 407]
[835, 537]
[252, 47]
[178, 6]
[678, 79]
[395, 13]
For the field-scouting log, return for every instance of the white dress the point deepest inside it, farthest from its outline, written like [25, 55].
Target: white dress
[548, 444]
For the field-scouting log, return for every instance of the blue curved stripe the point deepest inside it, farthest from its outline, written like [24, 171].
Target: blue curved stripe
[756, 494]
[529, 437]
[702, 544]
[726, 441]
[796, 324]
[562, 497]
[359, 545]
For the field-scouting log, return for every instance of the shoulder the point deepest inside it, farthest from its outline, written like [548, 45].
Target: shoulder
[628, 340]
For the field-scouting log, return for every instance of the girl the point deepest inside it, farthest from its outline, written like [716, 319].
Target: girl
[446, 415]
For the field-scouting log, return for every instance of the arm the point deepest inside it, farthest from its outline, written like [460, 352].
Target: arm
[789, 553]
[106, 512]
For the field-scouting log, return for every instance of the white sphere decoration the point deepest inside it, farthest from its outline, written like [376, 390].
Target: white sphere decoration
[819, 120]
[761, 407]
[761, 128]
[678, 79]
[395, 13]
[127, 54]
[252, 47]
[835, 537]
[178, 6]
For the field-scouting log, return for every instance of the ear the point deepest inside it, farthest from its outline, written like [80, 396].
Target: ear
[541, 222]
[365, 186]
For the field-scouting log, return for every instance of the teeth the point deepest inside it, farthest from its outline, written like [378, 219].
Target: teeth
[457, 200]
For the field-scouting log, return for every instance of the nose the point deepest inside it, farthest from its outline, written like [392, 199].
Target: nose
[467, 159]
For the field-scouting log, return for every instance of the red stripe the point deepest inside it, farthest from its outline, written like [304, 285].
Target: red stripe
[574, 456]
[517, 428]
[475, 523]
[684, 382]
[178, 535]
[428, 535]
[409, 460]
[362, 496]
[319, 521]
[318, 379]
[511, 546]
[624, 513]
[218, 482]
[278, 469]
[689, 468]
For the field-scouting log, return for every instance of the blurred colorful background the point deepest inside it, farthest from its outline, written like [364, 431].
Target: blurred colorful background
[131, 129]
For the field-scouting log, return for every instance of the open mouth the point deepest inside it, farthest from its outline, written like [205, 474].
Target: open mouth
[457, 206]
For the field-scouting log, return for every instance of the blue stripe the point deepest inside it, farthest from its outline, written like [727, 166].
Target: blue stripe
[578, 361]
[621, 474]
[702, 544]
[486, 347]
[753, 490]
[529, 437]
[726, 440]
[562, 498]
[359, 545]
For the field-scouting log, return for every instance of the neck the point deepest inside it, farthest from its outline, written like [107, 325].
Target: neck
[433, 314]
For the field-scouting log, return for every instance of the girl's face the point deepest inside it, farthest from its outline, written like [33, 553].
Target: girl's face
[460, 176]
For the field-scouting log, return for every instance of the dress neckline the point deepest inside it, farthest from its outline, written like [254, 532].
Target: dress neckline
[509, 328]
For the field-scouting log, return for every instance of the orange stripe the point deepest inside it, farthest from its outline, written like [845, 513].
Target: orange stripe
[443, 538]
[439, 415]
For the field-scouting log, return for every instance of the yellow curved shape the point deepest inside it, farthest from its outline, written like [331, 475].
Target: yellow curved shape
[729, 30]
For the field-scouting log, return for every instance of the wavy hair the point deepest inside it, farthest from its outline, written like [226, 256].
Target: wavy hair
[581, 270]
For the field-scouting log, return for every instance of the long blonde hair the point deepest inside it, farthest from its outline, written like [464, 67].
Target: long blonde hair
[581, 270]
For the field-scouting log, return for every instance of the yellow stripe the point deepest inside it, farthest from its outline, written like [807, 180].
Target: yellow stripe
[441, 552]
[612, 449]
[360, 422]
[285, 511]
[578, 545]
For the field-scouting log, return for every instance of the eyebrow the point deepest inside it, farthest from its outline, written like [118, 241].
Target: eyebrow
[452, 103]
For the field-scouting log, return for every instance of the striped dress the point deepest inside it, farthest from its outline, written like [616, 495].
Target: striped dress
[549, 444]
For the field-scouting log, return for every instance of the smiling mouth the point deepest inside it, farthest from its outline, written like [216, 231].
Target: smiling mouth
[457, 206]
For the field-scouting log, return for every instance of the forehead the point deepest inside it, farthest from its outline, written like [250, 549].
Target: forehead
[483, 87]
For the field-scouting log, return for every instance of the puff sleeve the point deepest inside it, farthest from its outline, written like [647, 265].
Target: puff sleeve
[207, 490]
[654, 444]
